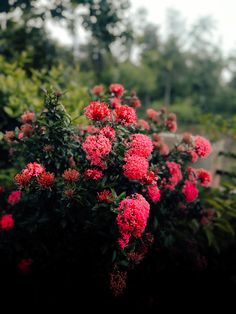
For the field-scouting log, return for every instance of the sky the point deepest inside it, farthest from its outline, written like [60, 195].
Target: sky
[222, 11]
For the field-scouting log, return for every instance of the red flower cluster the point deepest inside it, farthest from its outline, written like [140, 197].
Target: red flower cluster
[96, 147]
[125, 115]
[104, 196]
[117, 89]
[97, 111]
[27, 117]
[140, 145]
[143, 124]
[108, 132]
[71, 175]
[132, 218]
[115, 102]
[46, 179]
[7, 222]
[190, 191]
[97, 90]
[23, 178]
[152, 114]
[136, 167]
[154, 193]
[176, 175]
[204, 176]
[202, 146]
[14, 197]
[135, 102]
[34, 169]
[93, 174]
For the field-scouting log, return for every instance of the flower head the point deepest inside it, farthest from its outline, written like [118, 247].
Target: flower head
[202, 146]
[140, 145]
[125, 115]
[204, 176]
[190, 191]
[132, 218]
[14, 197]
[46, 179]
[97, 90]
[135, 168]
[93, 174]
[97, 111]
[117, 89]
[104, 196]
[34, 169]
[154, 193]
[27, 117]
[97, 147]
[7, 222]
[71, 175]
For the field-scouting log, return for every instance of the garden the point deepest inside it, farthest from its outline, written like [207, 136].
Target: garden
[117, 173]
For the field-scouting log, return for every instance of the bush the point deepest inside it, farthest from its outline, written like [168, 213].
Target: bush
[94, 201]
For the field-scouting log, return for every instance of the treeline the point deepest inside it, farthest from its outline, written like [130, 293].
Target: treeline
[185, 68]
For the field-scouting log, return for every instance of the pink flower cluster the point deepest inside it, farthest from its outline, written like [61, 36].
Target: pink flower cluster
[175, 175]
[117, 89]
[96, 148]
[132, 218]
[190, 191]
[135, 167]
[125, 115]
[14, 197]
[136, 164]
[202, 146]
[35, 170]
[7, 222]
[140, 145]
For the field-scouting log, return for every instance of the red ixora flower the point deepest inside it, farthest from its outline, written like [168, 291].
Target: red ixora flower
[154, 193]
[204, 176]
[96, 147]
[176, 175]
[71, 175]
[97, 89]
[104, 196]
[108, 132]
[34, 169]
[23, 178]
[97, 111]
[14, 197]
[152, 114]
[46, 179]
[135, 168]
[202, 146]
[24, 265]
[171, 126]
[93, 174]
[190, 191]
[116, 89]
[140, 145]
[143, 124]
[132, 218]
[125, 115]
[7, 222]
[27, 117]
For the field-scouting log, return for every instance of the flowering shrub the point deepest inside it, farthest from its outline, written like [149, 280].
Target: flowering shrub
[112, 190]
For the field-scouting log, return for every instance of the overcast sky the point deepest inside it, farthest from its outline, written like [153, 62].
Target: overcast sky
[222, 11]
